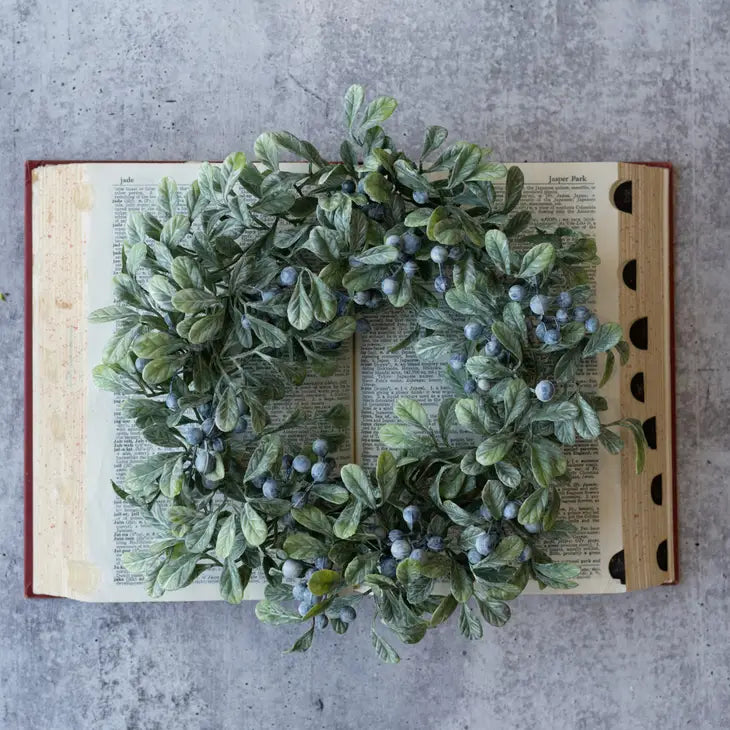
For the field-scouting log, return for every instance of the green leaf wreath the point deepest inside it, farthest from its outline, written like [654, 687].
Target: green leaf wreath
[259, 264]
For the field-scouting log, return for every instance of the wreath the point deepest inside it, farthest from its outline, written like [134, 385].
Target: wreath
[256, 263]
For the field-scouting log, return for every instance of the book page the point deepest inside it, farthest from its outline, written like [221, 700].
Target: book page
[568, 194]
[105, 526]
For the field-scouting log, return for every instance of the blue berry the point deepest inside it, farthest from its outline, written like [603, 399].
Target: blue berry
[411, 515]
[533, 527]
[171, 401]
[483, 384]
[420, 197]
[539, 304]
[417, 554]
[204, 462]
[291, 569]
[517, 292]
[439, 254]
[288, 276]
[493, 347]
[484, 512]
[394, 535]
[470, 386]
[389, 286]
[410, 269]
[299, 499]
[322, 562]
[552, 337]
[581, 314]
[540, 331]
[319, 472]
[485, 543]
[591, 324]
[564, 300]
[354, 262]
[510, 510]
[411, 242]
[544, 391]
[361, 298]
[320, 447]
[139, 364]
[192, 433]
[217, 444]
[392, 240]
[441, 284]
[348, 187]
[302, 464]
[388, 567]
[473, 330]
[400, 549]
[301, 592]
[474, 556]
[241, 425]
[562, 316]
[457, 361]
[271, 488]
[347, 614]
[245, 322]
[321, 621]
[268, 295]
[526, 554]
[304, 607]
[435, 543]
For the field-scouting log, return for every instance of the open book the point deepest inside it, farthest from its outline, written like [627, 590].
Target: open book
[77, 529]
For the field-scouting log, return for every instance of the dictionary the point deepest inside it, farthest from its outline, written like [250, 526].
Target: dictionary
[77, 528]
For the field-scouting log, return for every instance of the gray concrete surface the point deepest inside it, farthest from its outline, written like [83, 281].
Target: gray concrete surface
[539, 80]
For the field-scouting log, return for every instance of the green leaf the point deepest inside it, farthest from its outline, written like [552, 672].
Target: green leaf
[435, 137]
[313, 519]
[301, 546]
[353, 101]
[556, 412]
[265, 455]
[226, 537]
[498, 250]
[299, 311]
[167, 197]
[435, 348]
[226, 413]
[411, 412]
[513, 189]
[324, 302]
[505, 553]
[469, 624]
[534, 507]
[178, 573]
[418, 217]
[471, 415]
[508, 474]
[253, 526]
[324, 581]
[114, 379]
[546, 460]
[267, 150]
[444, 610]
[378, 255]
[557, 575]
[386, 473]
[232, 583]
[361, 566]
[303, 643]
[395, 436]
[514, 318]
[494, 498]
[192, 301]
[377, 188]
[273, 613]
[383, 649]
[587, 424]
[536, 260]
[495, 612]
[268, 333]
[603, 339]
[333, 493]
[507, 337]
[357, 483]
[377, 111]
[160, 370]
[608, 369]
[457, 514]
[516, 400]
[494, 449]
[205, 329]
[465, 164]
[461, 583]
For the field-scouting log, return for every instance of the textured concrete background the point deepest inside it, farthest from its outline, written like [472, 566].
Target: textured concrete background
[540, 80]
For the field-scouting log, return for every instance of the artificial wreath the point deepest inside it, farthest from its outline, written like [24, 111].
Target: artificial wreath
[259, 264]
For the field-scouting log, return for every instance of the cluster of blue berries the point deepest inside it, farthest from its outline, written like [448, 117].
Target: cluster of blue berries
[205, 436]
[298, 574]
